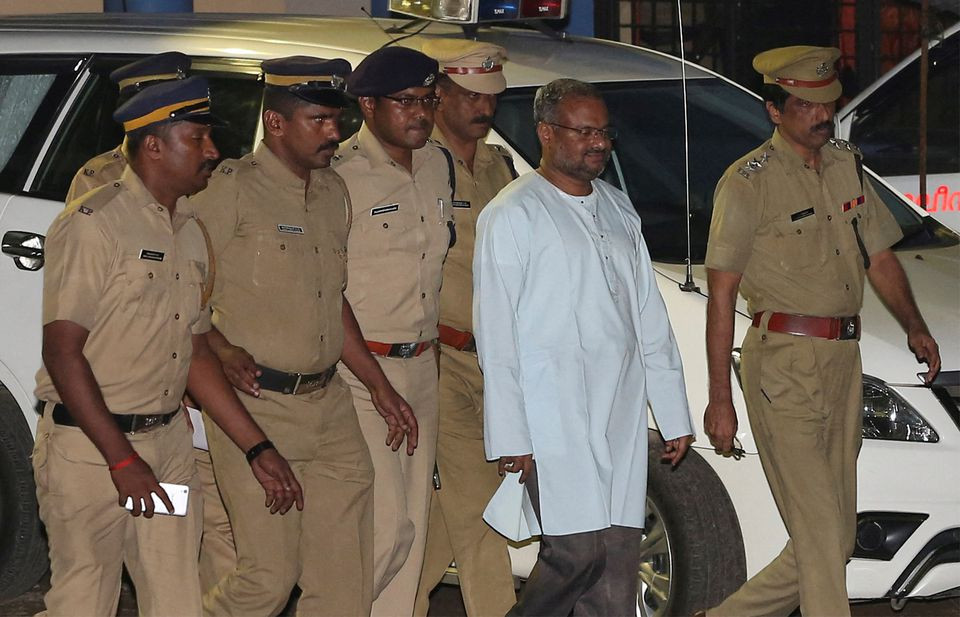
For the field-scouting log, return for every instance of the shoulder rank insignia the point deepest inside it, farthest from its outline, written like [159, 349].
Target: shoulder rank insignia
[85, 210]
[88, 172]
[753, 165]
[226, 170]
[844, 145]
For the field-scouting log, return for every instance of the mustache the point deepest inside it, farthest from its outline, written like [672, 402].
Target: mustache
[328, 145]
[482, 120]
[828, 125]
[421, 125]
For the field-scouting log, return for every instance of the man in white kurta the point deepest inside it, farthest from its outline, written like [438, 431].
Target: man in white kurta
[574, 341]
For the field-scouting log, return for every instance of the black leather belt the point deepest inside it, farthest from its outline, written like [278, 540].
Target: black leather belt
[128, 423]
[294, 383]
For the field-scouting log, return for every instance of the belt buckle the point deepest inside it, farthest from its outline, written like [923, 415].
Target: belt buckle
[407, 350]
[143, 423]
[296, 384]
[848, 328]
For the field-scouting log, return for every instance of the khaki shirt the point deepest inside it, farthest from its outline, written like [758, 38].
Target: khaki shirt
[117, 266]
[790, 232]
[491, 172]
[101, 169]
[281, 260]
[399, 238]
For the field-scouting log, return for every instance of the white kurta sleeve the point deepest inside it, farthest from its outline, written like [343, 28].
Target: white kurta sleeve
[666, 391]
[499, 268]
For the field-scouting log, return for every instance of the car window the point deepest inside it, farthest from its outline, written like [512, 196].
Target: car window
[31, 90]
[89, 128]
[885, 123]
[725, 123]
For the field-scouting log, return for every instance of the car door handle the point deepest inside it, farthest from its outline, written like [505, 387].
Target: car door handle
[25, 247]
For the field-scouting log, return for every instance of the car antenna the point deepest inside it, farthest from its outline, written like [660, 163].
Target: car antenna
[688, 284]
[423, 23]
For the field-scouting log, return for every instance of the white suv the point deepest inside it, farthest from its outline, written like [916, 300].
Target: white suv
[712, 522]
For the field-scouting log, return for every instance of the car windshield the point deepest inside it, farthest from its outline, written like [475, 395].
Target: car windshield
[725, 123]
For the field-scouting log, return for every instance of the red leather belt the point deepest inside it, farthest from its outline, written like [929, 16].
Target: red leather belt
[832, 328]
[458, 339]
[398, 350]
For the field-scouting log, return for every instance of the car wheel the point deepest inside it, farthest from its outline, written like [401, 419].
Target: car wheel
[692, 554]
[23, 551]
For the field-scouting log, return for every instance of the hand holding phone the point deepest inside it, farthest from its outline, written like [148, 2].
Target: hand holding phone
[178, 493]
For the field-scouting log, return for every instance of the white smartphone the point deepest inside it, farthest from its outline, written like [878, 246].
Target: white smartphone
[178, 494]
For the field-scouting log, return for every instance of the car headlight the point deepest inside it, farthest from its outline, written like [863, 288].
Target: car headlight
[885, 414]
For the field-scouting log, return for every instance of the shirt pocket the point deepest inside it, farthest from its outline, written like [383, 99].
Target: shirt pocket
[275, 258]
[798, 243]
[389, 232]
[147, 287]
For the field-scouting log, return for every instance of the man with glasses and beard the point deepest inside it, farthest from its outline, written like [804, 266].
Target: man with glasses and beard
[574, 341]
[401, 190]
[471, 77]
[278, 221]
[795, 228]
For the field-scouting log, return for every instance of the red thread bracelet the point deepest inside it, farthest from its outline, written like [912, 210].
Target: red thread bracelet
[127, 461]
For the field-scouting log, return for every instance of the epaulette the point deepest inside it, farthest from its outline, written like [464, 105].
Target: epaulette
[753, 166]
[350, 148]
[97, 198]
[846, 146]
[501, 150]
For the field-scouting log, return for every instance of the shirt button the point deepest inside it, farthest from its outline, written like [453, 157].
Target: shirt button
[283, 247]
[763, 337]
[316, 250]
[423, 256]
[385, 225]
[166, 392]
[799, 231]
[422, 219]
[159, 208]
[422, 296]
[321, 338]
[176, 316]
[174, 355]
[319, 294]
[149, 275]
[829, 217]
[847, 287]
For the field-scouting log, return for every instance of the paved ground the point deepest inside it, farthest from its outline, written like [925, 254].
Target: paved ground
[446, 602]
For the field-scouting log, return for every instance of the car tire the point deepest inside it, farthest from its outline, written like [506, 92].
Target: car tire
[693, 555]
[23, 550]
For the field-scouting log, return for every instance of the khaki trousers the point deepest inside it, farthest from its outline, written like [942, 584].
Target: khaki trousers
[804, 399]
[218, 555]
[403, 483]
[457, 531]
[326, 548]
[91, 537]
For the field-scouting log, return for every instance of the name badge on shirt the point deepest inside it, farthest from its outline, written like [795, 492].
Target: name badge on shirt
[796, 216]
[459, 203]
[289, 229]
[151, 255]
[384, 209]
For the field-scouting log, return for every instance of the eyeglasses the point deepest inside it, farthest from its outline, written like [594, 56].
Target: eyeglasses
[409, 101]
[588, 131]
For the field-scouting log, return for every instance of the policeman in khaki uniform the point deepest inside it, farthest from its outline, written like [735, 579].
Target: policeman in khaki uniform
[126, 274]
[131, 79]
[471, 76]
[400, 187]
[796, 226]
[278, 221]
